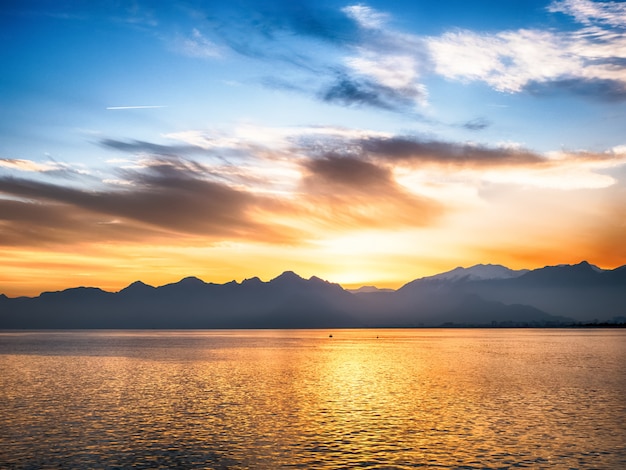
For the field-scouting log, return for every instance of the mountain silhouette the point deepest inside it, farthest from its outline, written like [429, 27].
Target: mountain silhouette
[482, 295]
[478, 272]
[582, 291]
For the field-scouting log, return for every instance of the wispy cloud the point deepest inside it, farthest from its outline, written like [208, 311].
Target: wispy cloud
[288, 185]
[507, 61]
[166, 198]
[196, 45]
[142, 147]
[367, 62]
[50, 168]
[413, 150]
[365, 16]
[27, 165]
[343, 49]
[590, 60]
[588, 12]
[349, 91]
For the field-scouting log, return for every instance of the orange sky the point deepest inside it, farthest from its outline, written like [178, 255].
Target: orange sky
[381, 219]
[367, 144]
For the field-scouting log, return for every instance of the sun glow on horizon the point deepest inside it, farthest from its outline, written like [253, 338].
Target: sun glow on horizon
[382, 145]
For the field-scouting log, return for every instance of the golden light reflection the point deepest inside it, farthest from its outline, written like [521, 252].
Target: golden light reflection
[278, 398]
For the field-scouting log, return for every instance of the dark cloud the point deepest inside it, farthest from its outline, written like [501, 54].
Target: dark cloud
[347, 172]
[46, 223]
[346, 191]
[164, 198]
[139, 146]
[411, 149]
[597, 89]
[477, 124]
[348, 91]
[177, 153]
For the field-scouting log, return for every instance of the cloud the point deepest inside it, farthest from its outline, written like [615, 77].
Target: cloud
[604, 90]
[390, 59]
[196, 45]
[350, 92]
[395, 76]
[289, 185]
[48, 168]
[139, 146]
[47, 223]
[335, 171]
[589, 60]
[173, 199]
[27, 165]
[587, 11]
[477, 124]
[506, 61]
[440, 169]
[374, 65]
[348, 49]
[409, 149]
[366, 16]
[349, 192]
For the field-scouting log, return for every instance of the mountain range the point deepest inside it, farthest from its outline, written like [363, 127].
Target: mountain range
[482, 295]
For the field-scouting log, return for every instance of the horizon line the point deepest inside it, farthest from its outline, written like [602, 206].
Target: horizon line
[344, 286]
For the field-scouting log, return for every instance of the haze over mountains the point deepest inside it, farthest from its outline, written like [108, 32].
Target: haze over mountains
[483, 295]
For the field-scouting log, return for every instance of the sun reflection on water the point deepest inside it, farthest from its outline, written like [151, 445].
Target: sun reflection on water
[275, 399]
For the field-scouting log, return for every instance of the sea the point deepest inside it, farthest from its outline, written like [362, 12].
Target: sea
[313, 399]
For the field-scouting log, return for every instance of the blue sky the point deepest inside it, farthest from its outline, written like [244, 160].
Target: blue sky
[455, 115]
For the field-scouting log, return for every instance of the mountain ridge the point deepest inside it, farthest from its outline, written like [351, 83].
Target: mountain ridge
[481, 295]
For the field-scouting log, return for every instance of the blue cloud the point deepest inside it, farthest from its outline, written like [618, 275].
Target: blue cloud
[348, 91]
[598, 89]
[477, 124]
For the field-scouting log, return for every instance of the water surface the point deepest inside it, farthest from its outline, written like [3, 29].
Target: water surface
[299, 398]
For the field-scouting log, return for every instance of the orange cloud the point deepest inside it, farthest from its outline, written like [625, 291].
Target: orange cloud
[327, 203]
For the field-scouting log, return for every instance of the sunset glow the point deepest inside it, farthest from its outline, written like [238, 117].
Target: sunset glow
[367, 144]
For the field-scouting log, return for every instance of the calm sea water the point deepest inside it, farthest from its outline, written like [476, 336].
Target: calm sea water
[278, 399]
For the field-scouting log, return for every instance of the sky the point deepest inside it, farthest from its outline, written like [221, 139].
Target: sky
[365, 143]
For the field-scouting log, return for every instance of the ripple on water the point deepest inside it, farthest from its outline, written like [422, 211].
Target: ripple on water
[276, 399]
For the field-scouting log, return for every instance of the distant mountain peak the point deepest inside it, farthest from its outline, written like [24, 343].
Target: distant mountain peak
[587, 264]
[478, 272]
[137, 286]
[369, 289]
[582, 273]
[191, 281]
[141, 284]
[288, 276]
